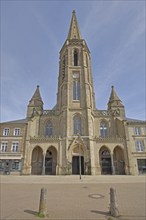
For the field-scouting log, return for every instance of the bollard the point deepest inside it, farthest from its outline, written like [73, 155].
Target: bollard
[43, 203]
[113, 203]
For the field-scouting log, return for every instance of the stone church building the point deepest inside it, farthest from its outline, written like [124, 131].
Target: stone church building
[74, 137]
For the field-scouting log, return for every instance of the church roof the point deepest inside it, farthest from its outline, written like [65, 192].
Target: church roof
[74, 32]
[135, 120]
[19, 121]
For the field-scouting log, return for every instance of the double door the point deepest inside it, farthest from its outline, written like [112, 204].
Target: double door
[77, 164]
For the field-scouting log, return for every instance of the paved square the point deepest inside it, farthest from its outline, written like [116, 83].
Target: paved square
[69, 198]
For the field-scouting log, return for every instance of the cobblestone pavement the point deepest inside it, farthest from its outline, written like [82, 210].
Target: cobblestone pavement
[69, 198]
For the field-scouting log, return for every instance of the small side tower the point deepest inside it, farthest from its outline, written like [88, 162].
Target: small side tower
[35, 105]
[115, 105]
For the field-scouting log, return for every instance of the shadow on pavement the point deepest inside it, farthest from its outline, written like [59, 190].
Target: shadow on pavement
[31, 212]
[101, 213]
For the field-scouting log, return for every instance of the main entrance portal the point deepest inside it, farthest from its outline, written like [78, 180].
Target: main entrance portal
[76, 165]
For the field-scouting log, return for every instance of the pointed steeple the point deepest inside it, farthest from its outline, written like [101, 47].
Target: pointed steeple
[115, 104]
[113, 96]
[74, 32]
[35, 103]
[37, 95]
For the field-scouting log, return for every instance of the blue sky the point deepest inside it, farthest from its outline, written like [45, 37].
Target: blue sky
[33, 32]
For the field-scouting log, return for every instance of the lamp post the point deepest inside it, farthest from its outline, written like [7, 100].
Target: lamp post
[80, 170]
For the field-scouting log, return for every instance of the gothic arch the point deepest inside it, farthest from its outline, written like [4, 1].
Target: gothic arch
[105, 160]
[77, 124]
[37, 161]
[78, 158]
[104, 128]
[51, 161]
[75, 144]
[104, 147]
[119, 161]
[48, 128]
[75, 57]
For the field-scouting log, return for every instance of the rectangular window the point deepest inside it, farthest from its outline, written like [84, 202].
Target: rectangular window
[139, 146]
[15, 147]
[15, 165]
[6, 131]
[1, 165]
[137, 131]
[4, 146]
[16, 131]
[141, 166]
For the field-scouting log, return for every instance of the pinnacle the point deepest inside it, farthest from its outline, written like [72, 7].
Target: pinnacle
[74, 32]
[37, 94]
[113, 95]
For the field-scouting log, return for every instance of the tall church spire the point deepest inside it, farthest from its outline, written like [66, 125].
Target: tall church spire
[74, 32]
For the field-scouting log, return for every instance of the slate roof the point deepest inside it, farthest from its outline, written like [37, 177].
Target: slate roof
[17, 121]
[134, 120]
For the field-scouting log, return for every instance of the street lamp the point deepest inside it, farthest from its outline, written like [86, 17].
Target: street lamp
[80, 170]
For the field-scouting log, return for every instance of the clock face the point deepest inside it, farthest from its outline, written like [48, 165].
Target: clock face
[75, 75]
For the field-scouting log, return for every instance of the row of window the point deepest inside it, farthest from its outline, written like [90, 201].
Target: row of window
[77, 124]
[14, 147]
[77, 127]
[10, 165]
[16, 132]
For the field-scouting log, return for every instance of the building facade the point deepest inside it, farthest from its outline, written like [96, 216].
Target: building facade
[74, 137]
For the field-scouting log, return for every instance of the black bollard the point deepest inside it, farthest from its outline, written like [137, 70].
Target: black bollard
[43, 203]
[113, 203]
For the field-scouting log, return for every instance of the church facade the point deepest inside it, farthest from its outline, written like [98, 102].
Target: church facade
[74, 137]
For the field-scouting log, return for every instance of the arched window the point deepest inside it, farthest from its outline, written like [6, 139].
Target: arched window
[75, 58]
[76, 86]
[49, 129]
[77, 124]
[103, 129]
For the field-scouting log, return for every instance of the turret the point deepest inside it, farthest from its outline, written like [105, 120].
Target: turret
[115, 105]
[35, 105]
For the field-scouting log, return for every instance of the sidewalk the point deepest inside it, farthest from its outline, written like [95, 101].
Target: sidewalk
[69, 198]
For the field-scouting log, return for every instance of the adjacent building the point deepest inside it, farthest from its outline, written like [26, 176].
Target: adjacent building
[74, 137]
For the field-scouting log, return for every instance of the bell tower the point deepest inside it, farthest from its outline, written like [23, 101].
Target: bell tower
[75, 85]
